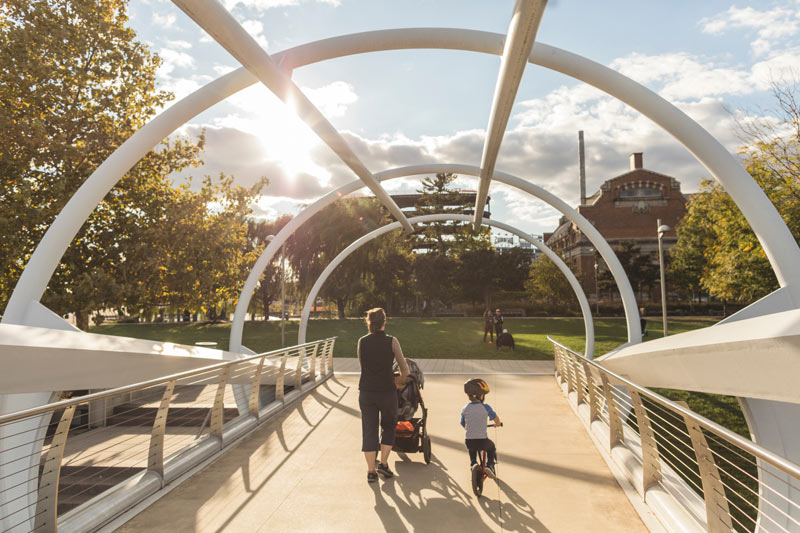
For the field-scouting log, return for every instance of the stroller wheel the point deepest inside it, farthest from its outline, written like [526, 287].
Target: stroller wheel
[426, 449]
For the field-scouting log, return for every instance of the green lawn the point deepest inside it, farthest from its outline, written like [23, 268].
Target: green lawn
[446, 338]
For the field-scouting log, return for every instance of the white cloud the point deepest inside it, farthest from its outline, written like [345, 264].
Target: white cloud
[255, 29]
[263, 5]
[769, 25]
[332, 99]
[223, 69]
[172, 59]
[166, 20]
[183, 45]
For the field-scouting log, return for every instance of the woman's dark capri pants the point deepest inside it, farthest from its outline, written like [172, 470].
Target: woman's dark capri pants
[372, 404]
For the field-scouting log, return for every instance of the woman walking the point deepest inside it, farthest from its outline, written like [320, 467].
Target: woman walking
[377, 397]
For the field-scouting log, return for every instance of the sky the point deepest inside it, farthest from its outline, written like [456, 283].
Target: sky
[714, 60]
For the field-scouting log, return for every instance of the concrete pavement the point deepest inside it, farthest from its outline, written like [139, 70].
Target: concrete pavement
[303, 471]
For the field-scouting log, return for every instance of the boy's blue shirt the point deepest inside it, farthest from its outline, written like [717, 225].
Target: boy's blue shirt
[477, 418]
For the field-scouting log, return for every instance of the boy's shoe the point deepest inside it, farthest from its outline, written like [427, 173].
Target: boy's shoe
[384, 470]
[372, 477]
[490, 471]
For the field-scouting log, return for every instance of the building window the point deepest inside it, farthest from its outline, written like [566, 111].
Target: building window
[639, 192]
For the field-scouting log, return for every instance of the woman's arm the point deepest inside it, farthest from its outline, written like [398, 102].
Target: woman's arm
[401, 360]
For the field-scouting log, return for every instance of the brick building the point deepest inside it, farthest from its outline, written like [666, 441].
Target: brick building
[625, 208]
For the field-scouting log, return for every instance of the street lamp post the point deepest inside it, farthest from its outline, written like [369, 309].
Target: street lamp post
[596, 291]
[662, 229]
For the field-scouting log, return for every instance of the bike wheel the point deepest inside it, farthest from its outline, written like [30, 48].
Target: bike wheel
[426, 449]
[477, 480]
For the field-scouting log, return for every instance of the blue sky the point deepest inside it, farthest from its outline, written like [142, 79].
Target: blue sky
[713, 59]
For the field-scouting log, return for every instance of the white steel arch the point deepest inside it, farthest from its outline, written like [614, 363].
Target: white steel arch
[361, 241]
[602, 247]
[779, 245]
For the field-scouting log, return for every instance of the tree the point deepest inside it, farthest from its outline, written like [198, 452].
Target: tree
[449, 237]
[734, 266]
[547, 283]
[641, 270]
[270, 282]
[74, 84]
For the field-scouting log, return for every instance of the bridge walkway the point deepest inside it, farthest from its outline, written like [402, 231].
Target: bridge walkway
[303, 471]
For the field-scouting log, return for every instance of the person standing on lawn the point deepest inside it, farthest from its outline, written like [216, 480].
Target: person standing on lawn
[497, 320]
[377, 397]
[488, 325]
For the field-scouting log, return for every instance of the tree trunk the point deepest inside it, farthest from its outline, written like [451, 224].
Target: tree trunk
[340, 305]
[82, 320]
[265, 304]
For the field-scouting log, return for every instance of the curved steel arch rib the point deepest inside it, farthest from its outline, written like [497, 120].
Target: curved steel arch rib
[358, 243]
[600, 244]
[778, 243]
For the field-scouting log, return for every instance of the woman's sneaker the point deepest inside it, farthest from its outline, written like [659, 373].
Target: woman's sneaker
[490, 471]
[384, 470]
[372, 477]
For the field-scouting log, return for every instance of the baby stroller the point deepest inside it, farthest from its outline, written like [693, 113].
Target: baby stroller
[505, 339]
[411, 434]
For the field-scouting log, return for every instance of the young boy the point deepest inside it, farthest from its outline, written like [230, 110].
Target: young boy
[474, 417]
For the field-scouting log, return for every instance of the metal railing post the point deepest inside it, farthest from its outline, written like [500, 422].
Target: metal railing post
[155, 460]
[593, 403]
[718, 514]
[279, 383]
[651, 462]
[615, 436]
[298, 373]
[47, 503]
[557, 362]
[255, 389]
[219, 404]
[330, 355]
[568, 372]
[313, 366]
[579, 381]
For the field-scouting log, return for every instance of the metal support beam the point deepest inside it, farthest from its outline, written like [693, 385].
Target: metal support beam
[312, 369]
[47, 504]
[219, 404]
[280, 387]
[155, 459]
[594, 407]
[718, 514]
[616, 435]
[255, 389]
[298, 373]
[519, 40]
[212, 16]
[651, 462]
[577, 367]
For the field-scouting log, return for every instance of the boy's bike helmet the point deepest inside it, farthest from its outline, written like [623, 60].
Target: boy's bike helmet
[476, 387]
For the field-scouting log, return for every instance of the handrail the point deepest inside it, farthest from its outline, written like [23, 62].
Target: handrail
[33, 411]
[787, 467]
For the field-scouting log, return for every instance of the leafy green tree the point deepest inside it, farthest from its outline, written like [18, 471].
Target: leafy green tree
[74, 84]
[548, 284]
[449, 237]
[641, 269]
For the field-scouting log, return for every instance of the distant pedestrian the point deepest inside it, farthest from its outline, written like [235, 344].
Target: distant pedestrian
[488, 325]
[497, 320]
[643, 322]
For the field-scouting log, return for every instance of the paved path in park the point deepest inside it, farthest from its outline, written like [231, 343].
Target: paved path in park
[303, 471]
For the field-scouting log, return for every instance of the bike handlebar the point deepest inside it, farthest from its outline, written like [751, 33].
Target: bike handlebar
[493, 426]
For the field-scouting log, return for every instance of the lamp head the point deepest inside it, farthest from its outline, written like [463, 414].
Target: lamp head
[662, 229]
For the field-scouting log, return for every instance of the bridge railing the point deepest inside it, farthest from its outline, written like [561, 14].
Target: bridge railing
[76, 464]
[693, 473]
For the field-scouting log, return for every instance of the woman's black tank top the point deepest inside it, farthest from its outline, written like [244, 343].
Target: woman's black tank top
[376, 362]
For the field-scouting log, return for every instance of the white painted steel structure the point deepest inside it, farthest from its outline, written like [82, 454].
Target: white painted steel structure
[771, 408]
[358, 243]
[602, 247]
[520, 36]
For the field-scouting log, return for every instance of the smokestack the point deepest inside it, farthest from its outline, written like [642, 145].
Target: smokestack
[637, 160]
[582, 159]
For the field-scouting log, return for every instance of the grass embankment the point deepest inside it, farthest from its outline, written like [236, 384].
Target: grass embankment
[440, 338]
